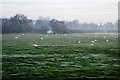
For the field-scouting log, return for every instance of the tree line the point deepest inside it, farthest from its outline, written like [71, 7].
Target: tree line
[19, 23]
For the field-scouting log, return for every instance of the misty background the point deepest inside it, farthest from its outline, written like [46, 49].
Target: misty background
[59, 16]
[19, 23]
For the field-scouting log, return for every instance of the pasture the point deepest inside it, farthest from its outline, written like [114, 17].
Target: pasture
[60, 56]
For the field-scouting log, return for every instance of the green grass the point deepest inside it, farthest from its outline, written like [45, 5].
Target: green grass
[60, 56]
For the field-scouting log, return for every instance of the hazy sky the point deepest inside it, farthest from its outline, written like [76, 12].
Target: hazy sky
[98, 11]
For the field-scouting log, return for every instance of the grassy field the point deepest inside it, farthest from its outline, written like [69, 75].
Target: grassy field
[60, 56]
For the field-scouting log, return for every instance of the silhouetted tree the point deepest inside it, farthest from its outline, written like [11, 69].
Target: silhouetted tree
[17, 24]
[58, 26]
[42, 25]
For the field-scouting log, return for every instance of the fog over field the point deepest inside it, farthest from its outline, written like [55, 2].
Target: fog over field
[90, 11]
[19, 23]
[73, 16]
[59, 40]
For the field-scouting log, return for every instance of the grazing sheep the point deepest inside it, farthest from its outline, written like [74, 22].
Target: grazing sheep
[79, 42]
[16, 37]
[95, 40]
[104, 37]
[41, 38]
[35, 45]
[91, 44]
[107, 40]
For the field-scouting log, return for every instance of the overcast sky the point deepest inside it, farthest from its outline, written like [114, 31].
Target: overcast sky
[98, 11]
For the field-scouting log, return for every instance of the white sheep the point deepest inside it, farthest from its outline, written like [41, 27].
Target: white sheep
[16, 37]
[92, 44]
[104, 37]
[79, 42]
[107, 40]
[41, 38]
[95, 40]
[35, 45]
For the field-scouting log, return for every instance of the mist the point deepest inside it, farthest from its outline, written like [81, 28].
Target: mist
[19, 23]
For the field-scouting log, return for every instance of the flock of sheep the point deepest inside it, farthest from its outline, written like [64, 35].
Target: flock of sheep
[79, 42]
